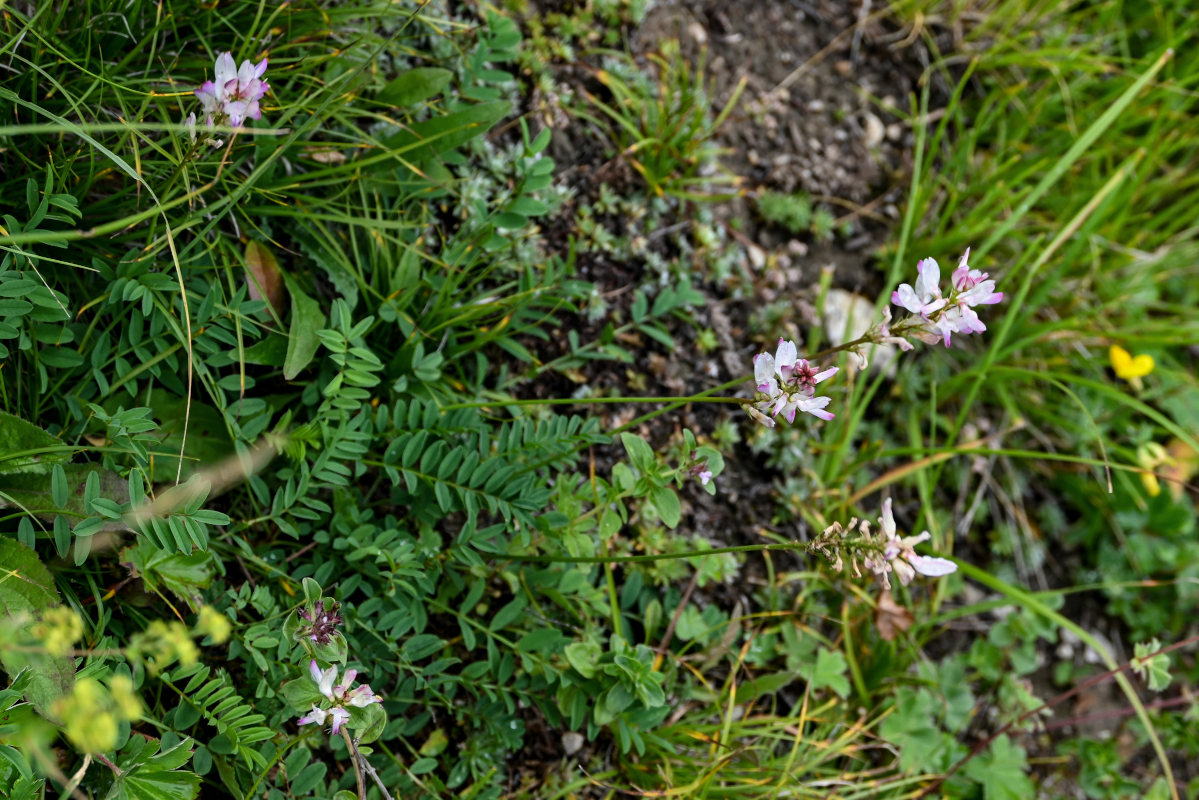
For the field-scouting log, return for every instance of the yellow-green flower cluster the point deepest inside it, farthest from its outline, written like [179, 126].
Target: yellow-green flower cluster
[91, 714]
[58, 630]
[161, 644]
[215, 624]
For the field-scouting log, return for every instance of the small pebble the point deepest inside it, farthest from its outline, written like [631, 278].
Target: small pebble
[873, 130]
[572, 742]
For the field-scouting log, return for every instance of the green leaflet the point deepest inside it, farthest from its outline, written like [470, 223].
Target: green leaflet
[24, 447]
[415, 86]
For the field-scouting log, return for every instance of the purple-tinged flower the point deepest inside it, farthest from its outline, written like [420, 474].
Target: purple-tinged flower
[899, 554]
[340, 716]
[941, 317]
[926, 297]
[362, 697]
[788, 384]
[704, 477]
[340, 695]
[322, 624]
[324, 680]
[234, 93]
[758, 416]
[316, 715]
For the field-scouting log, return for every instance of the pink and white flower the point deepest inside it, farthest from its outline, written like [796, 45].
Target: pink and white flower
[925, 298]
[899, 555]
[940, 317]
[234, 93]
[339, 694]
[788, 384]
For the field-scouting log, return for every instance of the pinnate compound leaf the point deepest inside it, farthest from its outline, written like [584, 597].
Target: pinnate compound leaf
[27, 589]
[40, 493]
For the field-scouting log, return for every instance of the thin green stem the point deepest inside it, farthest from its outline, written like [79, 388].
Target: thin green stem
[583, 401]
[748, 548]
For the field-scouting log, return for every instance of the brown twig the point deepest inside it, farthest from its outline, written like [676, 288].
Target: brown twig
[77, 778]
[366, 765]
[354, 757]
[674, 620]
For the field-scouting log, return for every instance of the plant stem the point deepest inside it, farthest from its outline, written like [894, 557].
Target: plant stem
[674, 402]
[366, 765]
[582, 401]
[749, 548]
[355, 757]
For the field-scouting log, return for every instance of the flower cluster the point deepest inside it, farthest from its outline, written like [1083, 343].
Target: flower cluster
[340, 696]
[939, 317]
[322, 622]
[787, 383]
[883, 552]
[232, 95]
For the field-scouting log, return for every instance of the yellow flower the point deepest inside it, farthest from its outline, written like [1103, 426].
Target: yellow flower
[1130, 368]
[1151, 456]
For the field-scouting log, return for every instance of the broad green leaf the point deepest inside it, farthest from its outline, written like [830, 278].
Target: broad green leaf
[308, 778]
[270, 352]
[827, 671]
[301, 693]
[368, 723]
[541, 640]
[584, 657]
[425, 140]
[18, 437]
[763, 685]
[183, 575]
[910, 728]
[415, 86]
[27, 588]
[158, 777]
[302, 341]
[667, 503]
[435, 745]
[207, 436]
[640, 453]
[1001, 771]
[1153, 669]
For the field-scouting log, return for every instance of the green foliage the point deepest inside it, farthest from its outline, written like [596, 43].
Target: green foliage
[662, 128]
[27, 590]
[146, 774]
[284, 402]
[790, 211]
